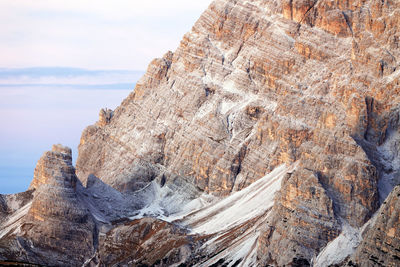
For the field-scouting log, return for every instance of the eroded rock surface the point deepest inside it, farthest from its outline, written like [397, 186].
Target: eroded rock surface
[55, 227]
[381, 241]
[147, 241]
[254, 85]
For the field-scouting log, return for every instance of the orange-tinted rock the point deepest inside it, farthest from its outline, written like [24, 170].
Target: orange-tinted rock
[253, 85]
[381, 243]
[248, 90]
[303, 219]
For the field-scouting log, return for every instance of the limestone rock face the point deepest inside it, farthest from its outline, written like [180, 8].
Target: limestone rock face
[105, 116]
[55, 169]
[146, 241]
[381, 242]
[303, 220]
[254, 86]
[54, 228]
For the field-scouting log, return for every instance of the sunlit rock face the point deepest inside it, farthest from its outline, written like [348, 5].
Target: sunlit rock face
[256, 84]
[304, 92]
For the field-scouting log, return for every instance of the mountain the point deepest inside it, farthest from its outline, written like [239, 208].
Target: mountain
[270, 137]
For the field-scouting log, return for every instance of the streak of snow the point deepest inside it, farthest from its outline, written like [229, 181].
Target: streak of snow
[249, 206]
[292, 122]
[244, 251]
[12, 222]
[230, 87]
[240, 206]
[339, 248]
[226, 106]
[166, 203]
[205, 109]
[392, 77]
[344, 245]
[196, 204]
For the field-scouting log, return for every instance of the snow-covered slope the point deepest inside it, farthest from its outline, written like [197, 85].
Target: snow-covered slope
[234, 222]
[240, 206]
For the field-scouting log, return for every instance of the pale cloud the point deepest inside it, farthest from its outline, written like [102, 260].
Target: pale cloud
[99, 34]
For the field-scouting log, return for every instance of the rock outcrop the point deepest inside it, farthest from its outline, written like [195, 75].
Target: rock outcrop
[149, 242]
[381, 240]
[55, 227]
[254, 86]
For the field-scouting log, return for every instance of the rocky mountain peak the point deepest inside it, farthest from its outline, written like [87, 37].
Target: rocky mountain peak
[55, 168]
[271, 135]
[105, 116]
[58, 148]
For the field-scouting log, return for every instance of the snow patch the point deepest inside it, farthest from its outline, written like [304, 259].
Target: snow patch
[242, 253]
[226, 106]
[392, 77]
[344, 245]
[168, 203]
[230, 87]
[240, 206]
[338, 249]
[12, 224]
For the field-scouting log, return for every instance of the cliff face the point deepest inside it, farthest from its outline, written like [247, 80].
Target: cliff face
[254, 86]
[381, 243]
[54, 224]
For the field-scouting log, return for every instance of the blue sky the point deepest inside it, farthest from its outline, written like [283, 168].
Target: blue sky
[61, 61]
[101, 34]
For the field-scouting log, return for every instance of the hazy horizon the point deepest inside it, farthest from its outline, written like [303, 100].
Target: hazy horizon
[63, 61]
[37, 112]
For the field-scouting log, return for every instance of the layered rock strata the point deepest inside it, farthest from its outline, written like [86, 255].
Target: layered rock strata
[55, 224]
[256, 84]
[381, 240]
[149, 242]
[58, 222]
[253, 86]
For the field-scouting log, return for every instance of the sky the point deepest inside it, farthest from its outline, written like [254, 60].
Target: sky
[92, 34]
[62, 61]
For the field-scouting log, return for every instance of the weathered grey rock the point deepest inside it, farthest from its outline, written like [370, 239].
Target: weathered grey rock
[254, 85]
[381, 241]
[147, 241]
[11, 203]
[55, 228]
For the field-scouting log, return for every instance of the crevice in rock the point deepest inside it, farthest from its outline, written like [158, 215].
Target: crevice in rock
[236, 166]
[291, 9]
[237, 53]
[348, 22]
[330, 193]
[172, 84]
[308, 11]
[229, 125]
